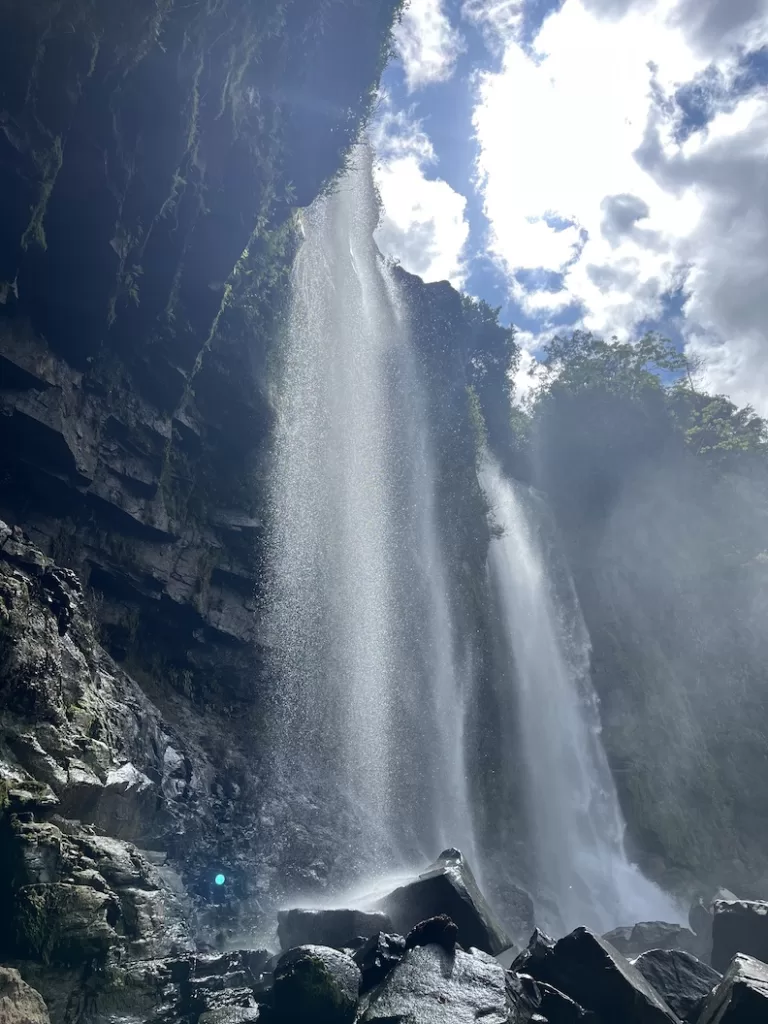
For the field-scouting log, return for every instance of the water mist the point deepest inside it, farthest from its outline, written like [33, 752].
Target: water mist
[371, 685]
[582, 873]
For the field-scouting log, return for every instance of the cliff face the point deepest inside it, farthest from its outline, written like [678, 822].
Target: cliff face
[151, 155]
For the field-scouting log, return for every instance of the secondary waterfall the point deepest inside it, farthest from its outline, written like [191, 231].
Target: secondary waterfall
[576, 824]
[372, 688]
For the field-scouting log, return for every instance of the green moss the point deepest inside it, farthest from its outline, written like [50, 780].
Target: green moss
[50, 164]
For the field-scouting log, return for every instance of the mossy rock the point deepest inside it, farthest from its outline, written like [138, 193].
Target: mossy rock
[316, 983]
[65, 924]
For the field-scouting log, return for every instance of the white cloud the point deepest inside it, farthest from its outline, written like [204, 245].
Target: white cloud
[500, 19]
[424, 225]
[563, 189]
[427, 43]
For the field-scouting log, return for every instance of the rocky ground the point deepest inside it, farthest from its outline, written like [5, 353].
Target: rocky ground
[110, 816]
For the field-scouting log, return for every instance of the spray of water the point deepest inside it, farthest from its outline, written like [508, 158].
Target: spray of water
[360, 622]
[576, 824]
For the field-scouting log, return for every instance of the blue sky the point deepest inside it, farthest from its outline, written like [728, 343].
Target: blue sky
[597, 163]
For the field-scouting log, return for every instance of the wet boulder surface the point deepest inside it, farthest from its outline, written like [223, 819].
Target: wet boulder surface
[434, 985]
[333, 927]
[742, 995]
[447, 887]
[315, 983]
[680, 979]
[638, 938]
[739, 926]
[599, 978]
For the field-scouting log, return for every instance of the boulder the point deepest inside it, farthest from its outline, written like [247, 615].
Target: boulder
[20, 1004]
[440, 931]
[433, 986]
[739, 926]
[334, 928]
[447, 887]
[539, 947]
[315, 983]
[741, 997]
[559, 1008]
[701, 913]
[65, 924]
[380, 954]
[680, 979]
[634, 940]
[598, 978]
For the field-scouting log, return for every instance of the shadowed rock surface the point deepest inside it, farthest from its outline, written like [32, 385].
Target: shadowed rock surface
[742, 995]
[447, 887]
[327, 927]
[739, 927]
[680, 979]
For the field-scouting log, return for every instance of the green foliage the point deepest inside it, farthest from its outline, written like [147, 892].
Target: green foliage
[585, 361]
[477, 421]
[714, 427]
[492, 349]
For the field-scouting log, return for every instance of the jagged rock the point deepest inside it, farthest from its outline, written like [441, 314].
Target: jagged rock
[523, 996]
[702, 912]
[559, 1008]
[377, 957]
[440, 931]
[742, 995]
[327, 927]
[597, 977]
[680, 979]
[637, 939]
[65, 924]
[434, 986]
[739, 927]
[19, 1003]
[315, 983]
[447, 887]
[529, 961]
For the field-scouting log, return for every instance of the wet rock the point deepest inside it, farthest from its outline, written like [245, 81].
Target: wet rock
[65, 924]
[597, 977]
[739, 927]
[702, 912]
[514, 908]
[434, 986]
[680, 979]
[19, 1003]
[559, 1008]
[377, 957]
[447, 887]
[742, 995]
[530, 960]
[315, 983]
[328, 927]
[523, 996]
[634, 940]
[440, 931]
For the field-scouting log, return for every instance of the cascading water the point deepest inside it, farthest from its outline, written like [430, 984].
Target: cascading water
[371, 688]
[582, 873]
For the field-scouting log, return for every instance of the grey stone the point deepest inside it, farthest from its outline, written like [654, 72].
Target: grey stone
[315, 983]
[739, 927]
[598, 978]
[447, 887]
[19, 1003]
[434, 986]
[742, 995]
[680, 979]
[634, 940]
[332, 927]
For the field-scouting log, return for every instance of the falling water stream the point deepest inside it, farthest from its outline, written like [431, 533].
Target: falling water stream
[372, 688]
[575, 821]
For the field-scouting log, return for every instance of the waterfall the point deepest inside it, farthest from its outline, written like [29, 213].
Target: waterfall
[582, 874]
[371, 680]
